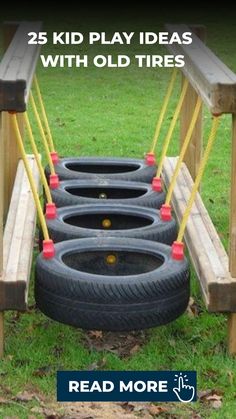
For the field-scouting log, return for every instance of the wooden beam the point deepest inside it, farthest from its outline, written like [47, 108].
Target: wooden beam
[232, 238]
[18, 241]
[1, 334]
[11, 152]
[232, 233]
[11, 156]
[1, 232]
[207, 253]
[194, 152]
[9, 30]
[17, 68]
[212, 79]
[232, 333]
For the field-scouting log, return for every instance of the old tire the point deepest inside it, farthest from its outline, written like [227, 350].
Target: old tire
[144, 288]
[95, 168]
[101, 220]
[80, 192]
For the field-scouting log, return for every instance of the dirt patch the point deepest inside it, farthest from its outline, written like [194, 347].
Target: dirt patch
[121, 344]
[108, 410]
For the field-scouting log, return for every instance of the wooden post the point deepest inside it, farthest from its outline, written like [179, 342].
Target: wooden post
[9, 156]
[232, 239]
[10, 150]
[193, 155]
[1, 230]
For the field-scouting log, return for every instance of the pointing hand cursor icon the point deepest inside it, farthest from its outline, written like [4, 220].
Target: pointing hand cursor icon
[184, 392]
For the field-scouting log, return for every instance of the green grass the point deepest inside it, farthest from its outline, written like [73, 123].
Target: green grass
[113, 112]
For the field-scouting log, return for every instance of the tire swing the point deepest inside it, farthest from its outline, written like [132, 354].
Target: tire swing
[80, 192]
[77, 192]
[99, 220]
[85, 221]
[113, 283]
[94, 168]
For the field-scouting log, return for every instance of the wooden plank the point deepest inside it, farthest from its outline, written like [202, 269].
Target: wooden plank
[194, 153]
[1, 334]
[17, 68]
[207, 253]
[11, 152]
[232, 232]
[1, 231]
[18, 242]
[232, 333]
[11, 156]
[212, 80]
[232, 237]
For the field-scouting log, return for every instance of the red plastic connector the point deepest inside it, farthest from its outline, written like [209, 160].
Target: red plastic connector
[157, 184]
[51, 211]
[165, 212]
[54, 157]
[54, 181]
[177, 251]
[150, 159]
[48, 249]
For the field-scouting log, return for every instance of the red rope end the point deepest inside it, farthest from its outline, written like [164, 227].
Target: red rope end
[216, 114]
[150, 159]
[177, 252]
[165, 212]
[156, 184]
[51, 211]
[54, 157]
[48, 249]
[54, 181]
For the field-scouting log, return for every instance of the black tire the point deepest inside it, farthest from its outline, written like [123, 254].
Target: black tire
[95, 168]
[116, 192]
[145, 288]
[85, 221]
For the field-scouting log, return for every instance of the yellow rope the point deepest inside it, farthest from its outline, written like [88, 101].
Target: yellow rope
[171, 128]
[44, 115]
[37, 158]
[202, 166]
[184, 149]
[163, 109]
[45, 143]
[30, 177]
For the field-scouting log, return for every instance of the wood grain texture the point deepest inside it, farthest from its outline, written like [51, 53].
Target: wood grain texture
[18, 242]
[232, 238]
[11, 156]
[194, 152]
[207, 253]
[232, 333]
[1, 231]
[17, 68]
[210, 77]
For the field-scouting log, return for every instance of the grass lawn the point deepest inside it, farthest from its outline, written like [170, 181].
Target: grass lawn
[112, 112]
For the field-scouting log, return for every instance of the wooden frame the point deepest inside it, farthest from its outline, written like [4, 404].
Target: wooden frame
[210, 79]
[16, 72]
[215, 83]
